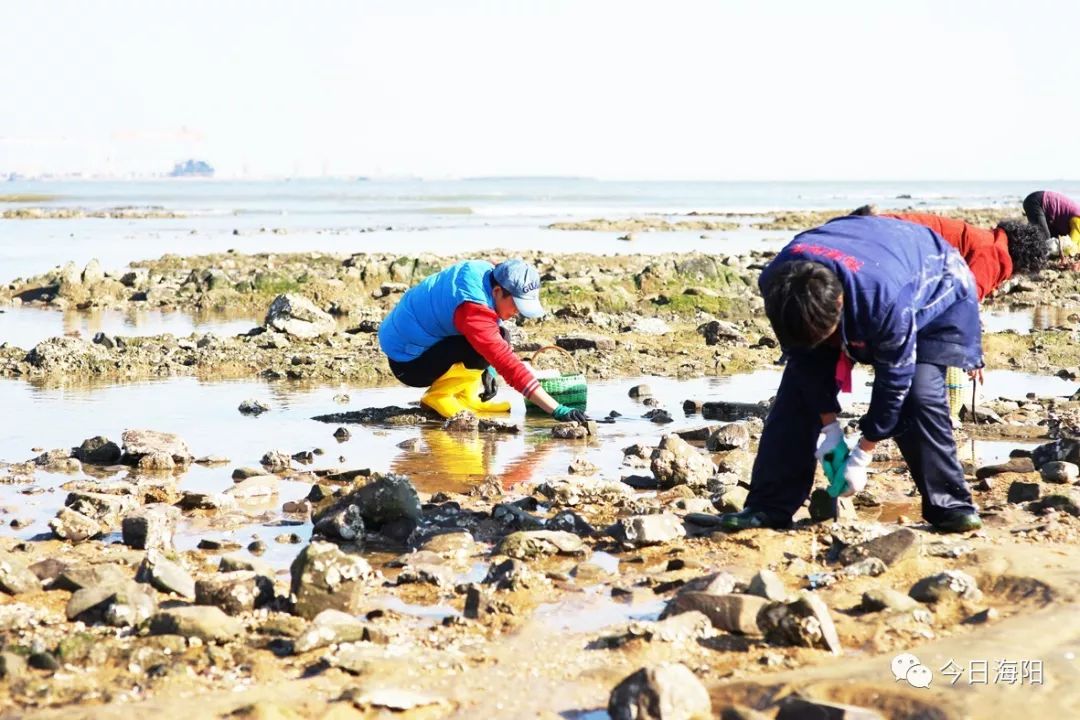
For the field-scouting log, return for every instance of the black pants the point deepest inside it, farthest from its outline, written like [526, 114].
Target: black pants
[438, 358]
[783, 472]
[1033, 208]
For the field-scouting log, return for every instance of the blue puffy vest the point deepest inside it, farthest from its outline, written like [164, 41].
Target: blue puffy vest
[425, 314]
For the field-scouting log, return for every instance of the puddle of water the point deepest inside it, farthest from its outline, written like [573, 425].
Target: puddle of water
[25, 327]
[434, 613]
[1025, 319]
[594, 610]
[204, 414]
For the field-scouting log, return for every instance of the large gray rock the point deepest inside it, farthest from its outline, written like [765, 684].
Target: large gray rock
[107, 509]
[677, 462]
[732, 436]
[767, 584]
[325, 578]
[74, 526]
[669, 691]
[297, 316]
[732, 613]
[330, 627]
[890, 549]
[151, 527]
[385, 500]
[534, 543]
[205, 622]
[165, 575]
[235, 592]
[140, 443]
[98, 450]
[16, 577]
[887, 599]
[642, 530]
[803, 622]
[950, 584]
[122, 604]
[1059, 471]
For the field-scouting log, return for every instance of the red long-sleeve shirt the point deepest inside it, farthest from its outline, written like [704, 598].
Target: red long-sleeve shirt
[480, 326]
[985, 251]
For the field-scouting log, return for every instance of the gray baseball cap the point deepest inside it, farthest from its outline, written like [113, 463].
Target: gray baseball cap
[522, 281]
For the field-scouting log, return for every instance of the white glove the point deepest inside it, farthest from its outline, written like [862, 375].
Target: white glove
[855, 471]
[831, 436]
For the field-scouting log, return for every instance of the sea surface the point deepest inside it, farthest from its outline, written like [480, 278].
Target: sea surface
[439, 216]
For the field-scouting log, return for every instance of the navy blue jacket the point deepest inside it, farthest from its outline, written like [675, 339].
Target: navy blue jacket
[908, 296]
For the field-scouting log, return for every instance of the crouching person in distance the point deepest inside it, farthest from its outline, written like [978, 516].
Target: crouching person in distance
[879, 291]
[446, 334]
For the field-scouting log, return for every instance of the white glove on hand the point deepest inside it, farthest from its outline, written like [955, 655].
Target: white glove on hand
[855, 471]
[831, 436]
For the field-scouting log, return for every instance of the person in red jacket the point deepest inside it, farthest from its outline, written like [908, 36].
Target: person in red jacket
[992, 255]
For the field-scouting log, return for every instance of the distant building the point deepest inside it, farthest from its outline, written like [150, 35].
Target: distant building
[192, 168]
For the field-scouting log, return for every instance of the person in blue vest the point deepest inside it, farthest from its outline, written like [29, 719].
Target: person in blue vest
[873, 290]
[446, 334]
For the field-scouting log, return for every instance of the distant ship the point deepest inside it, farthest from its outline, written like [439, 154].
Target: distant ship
[192, 168]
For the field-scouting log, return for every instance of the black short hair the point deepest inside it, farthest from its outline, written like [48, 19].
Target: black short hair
[1030, 253]
[862, 211]
[802, 302]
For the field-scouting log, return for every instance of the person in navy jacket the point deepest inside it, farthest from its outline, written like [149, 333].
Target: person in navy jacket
[884, 292]
[446, 334]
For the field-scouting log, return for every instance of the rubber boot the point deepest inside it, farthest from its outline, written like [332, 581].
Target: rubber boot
[459, 389]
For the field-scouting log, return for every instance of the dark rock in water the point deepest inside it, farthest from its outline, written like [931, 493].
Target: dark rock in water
[514, 517]
[945, 585]
[1021, 492]
[797, 708]
[235, 592]
[141, 443]
[463, 422]
[803, 622]
[641, 482]
[341, 523]
[732, 436]
[1014, 465]
[890, 549]
[392, 415]
[382, 501]
[569, 431]
[15, 577]
[716, 332]
[659, 692]
[98, 451]
[659, 416]
[640, 391]
[325, 578]
[253, 407]
[205, 622]
[691, 407]
[342, 434]
[734, 613]
[732, 411]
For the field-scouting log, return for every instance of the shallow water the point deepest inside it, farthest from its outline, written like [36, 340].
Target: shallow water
[1026, 319]
[205, 415]
[25, 327]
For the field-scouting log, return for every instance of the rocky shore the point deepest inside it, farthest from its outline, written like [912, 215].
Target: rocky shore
[607, 588]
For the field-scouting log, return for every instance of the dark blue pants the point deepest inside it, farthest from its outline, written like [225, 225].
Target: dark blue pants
[783, 474]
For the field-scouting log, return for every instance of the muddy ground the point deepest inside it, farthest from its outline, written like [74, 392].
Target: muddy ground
[533, 599]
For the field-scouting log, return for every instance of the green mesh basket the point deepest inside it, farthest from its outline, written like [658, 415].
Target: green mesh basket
[567, 389]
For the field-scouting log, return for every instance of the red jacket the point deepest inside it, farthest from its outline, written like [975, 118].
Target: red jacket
[986, 251]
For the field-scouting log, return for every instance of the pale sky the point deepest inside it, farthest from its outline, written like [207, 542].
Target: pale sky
[710, 89]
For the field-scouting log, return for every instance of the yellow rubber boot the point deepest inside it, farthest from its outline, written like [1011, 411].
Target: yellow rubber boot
[459, 389]
[443, 395]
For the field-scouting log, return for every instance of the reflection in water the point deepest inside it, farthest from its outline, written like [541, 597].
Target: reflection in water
[458, 461]
[1023, 320]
